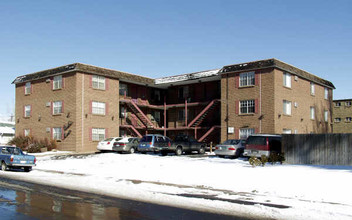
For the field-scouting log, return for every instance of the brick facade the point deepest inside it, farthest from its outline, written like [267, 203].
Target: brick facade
[342, 114]
[213, 103]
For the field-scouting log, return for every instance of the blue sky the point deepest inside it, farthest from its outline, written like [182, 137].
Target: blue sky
[161, 38]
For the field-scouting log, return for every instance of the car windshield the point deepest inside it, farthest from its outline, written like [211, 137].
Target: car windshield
[256, 140]
[14, 150]
[146, 139]
[228, 142]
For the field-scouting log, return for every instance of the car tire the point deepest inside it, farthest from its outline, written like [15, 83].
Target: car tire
[3, 166]
[132, 150]
[201, 150]
[27, 169]
[178, 151]
[163, 153]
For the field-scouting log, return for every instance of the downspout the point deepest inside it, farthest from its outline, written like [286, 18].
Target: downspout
[164, 115]
[82, 107]
[227, 106]
[260, 102]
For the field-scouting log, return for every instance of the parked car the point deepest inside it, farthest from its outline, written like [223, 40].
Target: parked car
[232, 148]
[262, 144]
[153, 143]
[107, 144]
[128, 144]
[13, 157]
[184, 143]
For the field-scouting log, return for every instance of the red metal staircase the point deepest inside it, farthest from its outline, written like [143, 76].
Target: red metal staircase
[203, 114]
[139, 113]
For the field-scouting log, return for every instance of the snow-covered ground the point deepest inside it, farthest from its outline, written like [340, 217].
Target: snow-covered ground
[204, 183]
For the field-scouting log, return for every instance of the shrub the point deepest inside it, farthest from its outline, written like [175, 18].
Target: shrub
[254, 161]
[263, 160]
[33, 145]
[276, 157]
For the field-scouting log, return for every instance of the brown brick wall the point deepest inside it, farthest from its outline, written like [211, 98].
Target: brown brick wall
[342, 112]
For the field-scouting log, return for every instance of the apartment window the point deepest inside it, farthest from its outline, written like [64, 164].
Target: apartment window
[27, 88]
[245, 132]
[98, 82]
[247, 79]
[98, 134]
[337, 120]
[183, 92]
[247, 107]
[98, 108]
[27, 132]
[337, 104]
[312, 113]
[326, 93]
[57, 133]
[123, 89]
[286, 131]
[287, 80]
[57, 107]
[57, 82]
[312, 88]
[326, 116]
[348, 104]
[287, 107]
[27, 111]
[348, 119]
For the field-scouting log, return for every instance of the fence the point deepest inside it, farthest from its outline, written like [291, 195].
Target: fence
[318, 149]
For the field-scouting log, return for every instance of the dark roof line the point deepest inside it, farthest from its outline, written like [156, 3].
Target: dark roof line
[341, 100]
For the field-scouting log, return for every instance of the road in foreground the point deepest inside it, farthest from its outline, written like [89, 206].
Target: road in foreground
[21, 200]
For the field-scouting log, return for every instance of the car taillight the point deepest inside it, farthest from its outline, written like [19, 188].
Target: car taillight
[216, 148]
[109, 142]
[35, 160]
[150, 143]
[122, 144]
[231, 148]
[11, 159]
[169, 144]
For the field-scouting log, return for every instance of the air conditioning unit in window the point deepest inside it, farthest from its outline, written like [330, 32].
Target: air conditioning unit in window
[296, 104]
[47, 80]
[296, 78]
[48, 104]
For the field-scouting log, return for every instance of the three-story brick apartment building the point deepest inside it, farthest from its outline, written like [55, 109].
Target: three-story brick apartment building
[80, 104]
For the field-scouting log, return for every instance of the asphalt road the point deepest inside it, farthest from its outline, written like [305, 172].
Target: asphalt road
[22, 200]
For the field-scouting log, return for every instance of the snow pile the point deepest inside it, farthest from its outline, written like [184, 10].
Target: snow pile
[205, 183]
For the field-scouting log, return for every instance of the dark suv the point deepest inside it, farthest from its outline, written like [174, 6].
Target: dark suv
[153, 143]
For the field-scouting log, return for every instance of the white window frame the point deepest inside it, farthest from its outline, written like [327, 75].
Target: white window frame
[247, 79]
[326, 93]
[98, 82]
[286, 131]
[27, 88]
[312, 88]
[326, 116]
[247, 106]
[287, 107]
[245, 132]
[57, 82]
[348, 103]
[336, 120]
[27, 132]
[287, 80]
[312, 113]
[348, 119]
[337, 104]
[57, 133]
[98, 108]
[57, 107]
[27, 111]
[98, 134]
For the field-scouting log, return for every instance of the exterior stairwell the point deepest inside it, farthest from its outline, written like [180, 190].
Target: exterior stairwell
[141, 116]
[203, 114]
[208, 134]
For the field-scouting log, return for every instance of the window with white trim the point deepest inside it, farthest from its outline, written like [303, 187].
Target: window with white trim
[247, 79]
[348, 119]
[57, 82]
[348, 103]
[245, 132]
[27, 132]
[312, 88]
[337, 104]
[326, 115]
[287, 80]
[27, 111]
[27, 88]
[287, 105]
[337, 120]
[98, 134]
[57, 107]
[326, 93]
[98, 82]
[247, 107]
[286, 131]
[57, 133]
[312, 113]
[98, 108]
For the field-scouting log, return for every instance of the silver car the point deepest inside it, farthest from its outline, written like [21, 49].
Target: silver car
[232, 148]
